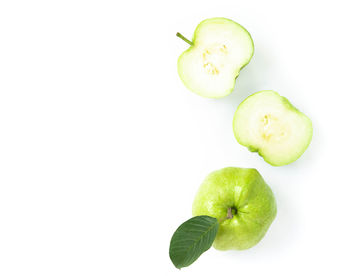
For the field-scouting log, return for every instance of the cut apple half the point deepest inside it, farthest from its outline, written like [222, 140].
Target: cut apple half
[219, 50]
[269, 124]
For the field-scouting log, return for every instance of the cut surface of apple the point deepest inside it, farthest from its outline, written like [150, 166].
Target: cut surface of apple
[219, 50]
[269, 124]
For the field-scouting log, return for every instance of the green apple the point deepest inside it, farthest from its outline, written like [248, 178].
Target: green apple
[269, 124]
[219, 50]
[243, 204]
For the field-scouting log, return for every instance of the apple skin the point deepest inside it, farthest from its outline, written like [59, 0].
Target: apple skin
[245, 191]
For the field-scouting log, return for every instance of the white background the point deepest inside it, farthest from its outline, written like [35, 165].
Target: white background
[102, 148]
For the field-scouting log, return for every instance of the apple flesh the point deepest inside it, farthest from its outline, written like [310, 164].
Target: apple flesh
[242, 202]
[219, 50]
[269, 124]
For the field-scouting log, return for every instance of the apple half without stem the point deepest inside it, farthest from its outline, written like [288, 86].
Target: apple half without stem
[269, 124]
[220, 48]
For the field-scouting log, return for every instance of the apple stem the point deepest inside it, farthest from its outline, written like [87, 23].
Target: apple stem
[184, 38]
[228, 216]
[229, 213]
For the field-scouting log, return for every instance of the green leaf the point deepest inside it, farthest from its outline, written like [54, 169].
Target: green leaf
[191, 239]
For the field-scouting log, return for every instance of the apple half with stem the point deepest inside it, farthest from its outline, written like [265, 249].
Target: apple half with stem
[243, 204]
[220, 48]
[269, 124]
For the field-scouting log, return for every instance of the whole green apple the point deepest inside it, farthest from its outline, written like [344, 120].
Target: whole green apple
[243, 204]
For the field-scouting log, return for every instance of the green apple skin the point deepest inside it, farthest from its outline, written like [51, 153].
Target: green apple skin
[245, 191]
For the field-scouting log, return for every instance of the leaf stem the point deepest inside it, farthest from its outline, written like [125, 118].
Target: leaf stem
[184, 38]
